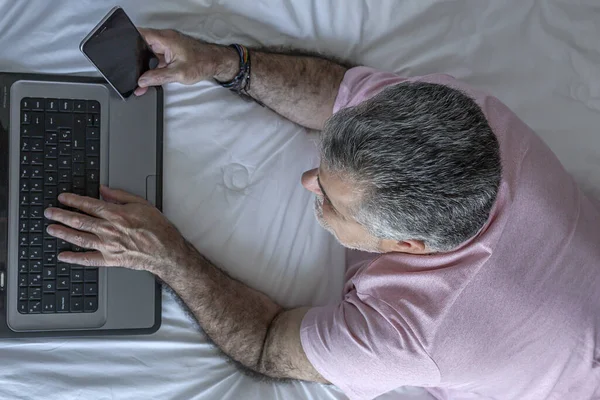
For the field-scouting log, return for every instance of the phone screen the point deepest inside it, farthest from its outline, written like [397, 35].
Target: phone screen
[119, 52]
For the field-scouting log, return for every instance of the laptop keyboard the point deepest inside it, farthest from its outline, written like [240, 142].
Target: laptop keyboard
[60, 152]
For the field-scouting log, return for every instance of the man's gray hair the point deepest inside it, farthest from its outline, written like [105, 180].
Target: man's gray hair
[424, 161]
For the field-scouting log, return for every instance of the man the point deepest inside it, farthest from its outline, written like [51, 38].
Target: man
[488, 274]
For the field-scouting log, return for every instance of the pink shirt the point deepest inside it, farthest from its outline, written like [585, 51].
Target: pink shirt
[514, 313]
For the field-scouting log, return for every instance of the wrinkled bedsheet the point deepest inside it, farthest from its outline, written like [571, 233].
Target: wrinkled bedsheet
[232, 168]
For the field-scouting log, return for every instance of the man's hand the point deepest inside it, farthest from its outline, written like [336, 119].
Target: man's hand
[124, 230]
[185, 59]
[301, 88]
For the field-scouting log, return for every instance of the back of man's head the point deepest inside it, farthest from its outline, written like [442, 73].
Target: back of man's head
[423, 159]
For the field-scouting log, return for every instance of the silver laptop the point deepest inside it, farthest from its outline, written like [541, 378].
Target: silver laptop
[71, 134]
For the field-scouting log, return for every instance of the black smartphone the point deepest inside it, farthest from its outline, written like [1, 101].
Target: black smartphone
[119, 52]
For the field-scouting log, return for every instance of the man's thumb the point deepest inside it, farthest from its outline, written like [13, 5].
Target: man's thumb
[157, 77]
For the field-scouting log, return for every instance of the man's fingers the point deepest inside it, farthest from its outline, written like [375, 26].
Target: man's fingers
[88, 205]
[75, 220]
[78, 238]
[86, 258]
[158, 76]
[120, 196]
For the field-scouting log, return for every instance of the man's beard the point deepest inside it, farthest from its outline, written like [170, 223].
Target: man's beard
[371, 246]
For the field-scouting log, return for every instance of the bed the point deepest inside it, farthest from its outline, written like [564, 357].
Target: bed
[232, 168]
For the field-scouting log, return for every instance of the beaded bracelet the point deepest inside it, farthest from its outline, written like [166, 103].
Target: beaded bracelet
[241, 82]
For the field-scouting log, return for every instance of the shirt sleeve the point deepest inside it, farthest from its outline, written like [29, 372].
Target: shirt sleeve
[362, 83]
[363, 347]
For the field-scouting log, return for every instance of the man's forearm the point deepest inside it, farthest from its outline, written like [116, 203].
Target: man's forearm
[301, 88]
[234, 316]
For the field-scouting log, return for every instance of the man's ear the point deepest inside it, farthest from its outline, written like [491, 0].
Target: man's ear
[404, 246]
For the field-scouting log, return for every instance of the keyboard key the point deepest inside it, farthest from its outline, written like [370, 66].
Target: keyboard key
[93, 133]
[90, 120]
[49, 273]
[23, 266]
[93, 106]
[25, 158]
[64, 187]
[79, 106]
[93, 190]
[23, 225]
[96, 119]
[63, 268]
[65, 175]
[36, 212]
[78, 169]
[23, 293]
[37, 119]
[76, 289]
[23, 239]
[76, 304]
[49, 258]
[36, 185]
[25, 103]
[66, 105]
[50, 203]
[90, 304]
[35, 253]
[63, 283]
[37, 159]
[35, 266]
[62, 301]
[78, 182]
[36, 198]
[92, 147]
[37, 104]
[25, 186]
[23, 253]
[51, 151]
[23, 307]
[50, 192]
[50, 245]
[25, 144]
[64, 148]
[49, 286]
[92, 176]
[55, 121]
[49, 303]
[91, 289]
[63, 245]
[64, 135]
[50, 165]
[64, 162]
[51, 105]
[92, 163]
[35, 307]
[23, 198]
[35, 239]
[78, 156]
[76, 275]
[25, 118]
[24, 210]
[37, 172]
[79, 124]
[36, 144]
[90, 275]
[51, 178]
[35, 225]
[51, 138]
[35, 293]
[32, 131]
[23, 280]
[25, 172]
[35, 279]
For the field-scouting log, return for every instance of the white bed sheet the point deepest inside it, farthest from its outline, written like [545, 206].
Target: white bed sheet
[232, 168]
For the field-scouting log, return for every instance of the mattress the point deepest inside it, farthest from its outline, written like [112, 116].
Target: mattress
[232, 168]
